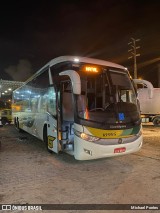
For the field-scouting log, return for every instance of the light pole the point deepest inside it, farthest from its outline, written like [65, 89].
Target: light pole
[134, 54]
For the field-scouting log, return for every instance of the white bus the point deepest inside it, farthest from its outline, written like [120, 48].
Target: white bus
[82, 106]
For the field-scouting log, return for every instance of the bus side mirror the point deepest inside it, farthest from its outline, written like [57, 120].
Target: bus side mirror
[75, 80]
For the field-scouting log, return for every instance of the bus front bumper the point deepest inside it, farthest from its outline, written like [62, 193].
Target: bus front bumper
[84, 150]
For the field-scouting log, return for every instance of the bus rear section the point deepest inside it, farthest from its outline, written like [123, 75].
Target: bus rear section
[87, 108]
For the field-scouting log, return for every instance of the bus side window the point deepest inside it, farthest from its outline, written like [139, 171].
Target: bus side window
[43, 104]
[34, 104]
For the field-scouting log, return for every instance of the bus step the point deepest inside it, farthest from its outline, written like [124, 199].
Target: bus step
[64, 135]
[68, 147]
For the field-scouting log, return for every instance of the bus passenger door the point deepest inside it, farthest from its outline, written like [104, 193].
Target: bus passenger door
[52, 133]
[66, 107]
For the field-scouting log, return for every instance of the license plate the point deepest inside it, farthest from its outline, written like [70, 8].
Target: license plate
[119, 150]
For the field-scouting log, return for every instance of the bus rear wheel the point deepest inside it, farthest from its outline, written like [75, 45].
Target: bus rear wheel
[16, 122]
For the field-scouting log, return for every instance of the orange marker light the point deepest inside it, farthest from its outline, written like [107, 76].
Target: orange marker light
[86, 114]
[91, 69]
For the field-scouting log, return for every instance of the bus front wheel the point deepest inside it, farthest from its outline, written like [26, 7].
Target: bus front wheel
[45, 138]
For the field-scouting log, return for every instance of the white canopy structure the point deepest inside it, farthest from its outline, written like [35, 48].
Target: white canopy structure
[6, 87]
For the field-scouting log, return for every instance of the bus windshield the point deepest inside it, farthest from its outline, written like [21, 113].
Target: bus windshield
[107, 98]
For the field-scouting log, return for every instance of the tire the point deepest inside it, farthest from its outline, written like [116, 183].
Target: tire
[15, 122]
[4, 121]
[17, 127]
[45, 139]
[156, 121]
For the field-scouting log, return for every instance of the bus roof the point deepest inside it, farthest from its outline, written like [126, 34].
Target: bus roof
[79, 59]
[75, 59]
[84, 59]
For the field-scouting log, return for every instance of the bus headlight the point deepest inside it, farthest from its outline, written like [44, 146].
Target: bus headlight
[85, 136]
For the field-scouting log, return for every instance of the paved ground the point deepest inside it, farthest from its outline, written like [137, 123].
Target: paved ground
[29, 174]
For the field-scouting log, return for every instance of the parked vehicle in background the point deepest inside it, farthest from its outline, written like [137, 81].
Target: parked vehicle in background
[149, 98]
[6, 116]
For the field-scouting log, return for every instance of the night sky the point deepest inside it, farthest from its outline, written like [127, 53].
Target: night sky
[34, 32]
